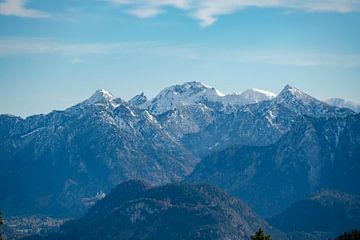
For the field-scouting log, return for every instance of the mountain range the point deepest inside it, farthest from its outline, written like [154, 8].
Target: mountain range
[204, 120]
[64, 159]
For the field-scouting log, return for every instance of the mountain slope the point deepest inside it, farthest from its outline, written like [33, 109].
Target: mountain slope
[327, 210]
[314, 154]
[262, 123]
[135, 210]
[194, 108]
[66, 157]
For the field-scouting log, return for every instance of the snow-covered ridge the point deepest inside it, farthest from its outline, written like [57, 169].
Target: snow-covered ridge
[205, 97]
[189, 93]
[192, 93]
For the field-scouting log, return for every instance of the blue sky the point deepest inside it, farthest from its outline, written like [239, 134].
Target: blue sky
[54, 54]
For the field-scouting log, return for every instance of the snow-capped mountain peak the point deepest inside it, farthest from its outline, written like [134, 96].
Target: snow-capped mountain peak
[292, 100]
[138, 100]
[191, 88]
[290, 89]
[189, 93]
[104, 97]
[257, 95]
[290, 92]
[101, 95]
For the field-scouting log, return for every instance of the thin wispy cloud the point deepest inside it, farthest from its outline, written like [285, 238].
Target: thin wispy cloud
[145, 12]
[148, 8]
[80, 51]
[30, 46]
[181, 4]
[18, 8]
[208, 11]
[300, 59]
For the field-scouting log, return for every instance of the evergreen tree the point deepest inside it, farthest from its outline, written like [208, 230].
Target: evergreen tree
[260, 235]
[350, 235]
[1, 223]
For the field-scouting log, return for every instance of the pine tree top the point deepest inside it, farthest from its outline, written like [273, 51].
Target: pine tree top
[260, 235]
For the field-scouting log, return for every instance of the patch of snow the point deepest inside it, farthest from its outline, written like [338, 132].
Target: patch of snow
[220, 94]
[131, 111]
[266, 93]
[214, 146]
[92, 200]
[30, 133]
[150, 117]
